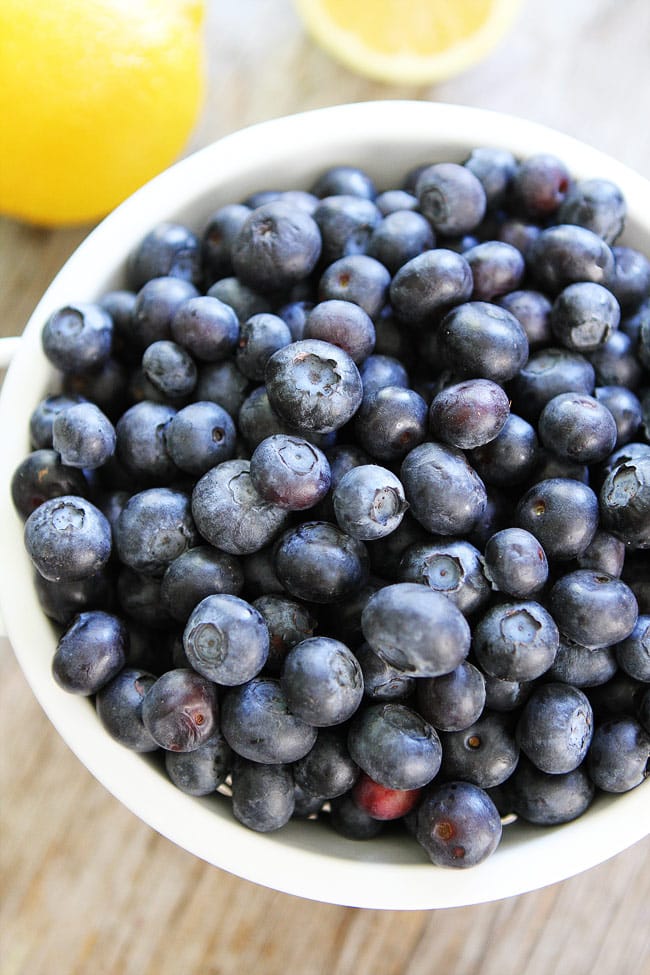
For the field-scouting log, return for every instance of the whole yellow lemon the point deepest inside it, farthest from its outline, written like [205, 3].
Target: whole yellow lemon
[96, 97]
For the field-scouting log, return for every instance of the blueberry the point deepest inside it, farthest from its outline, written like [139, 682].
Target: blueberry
[243, 300]
[516, 641]
[381, 802]
[169, 250]
[257, 420]
[578, 427]
[155, 307]
[446, 495]
[615, 362]
[458, 825]
[295, 314]
[141, 443]
[217, 239]
[483, 340]
[494, 168]
[369, 502]
[539, 185]
[510, 458]
[347, 819]
[199, 572]
[201, 772]
[630, 282]
[288, 621]
[346, 223]
[154, 528]
[379, 371]
[548, 800]
[83, 436]
[619, 696]
[348, 180]
[43, 475]
[497, 268]
[626, 409]
[78, 338]
[226, 639]
[260, 577]
[119, 708]
[506, 695]
[206, 327]
[548, 373]
[313, 385]
[401, 236]
[322, 681]
[120, 305]
[356, 278]
[593, 608]
[342, 323]
[107, 387]
[532, 309]
[42, 418]
[391, 200]
[550, 465]
[382, 681]
[555, 727]
[469, 414]
[605, 553]
[619, 756]
[318, 562]
[200, 436]
[452, 568]
[485, 753]
[625, 502]
[230, 513]
[562, 514]
[519, 232]
[276, 246]
[262, 795]
[90, 653]
[391, 421]
[258, 724]
[395, 746]
[260, 336]
[68, 538]
[515, 563]
[451, 198]
[62, 600]
[596, 204]
[453, 701]
[566, 254]
[180, 710]
[584, 315]
[290, 472]
[429, 285]
[582, 666]
[633, 653]
[302, 199]
[170, 368]
[415, 629]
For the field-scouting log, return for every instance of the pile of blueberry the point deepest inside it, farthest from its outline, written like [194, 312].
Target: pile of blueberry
[343, 506]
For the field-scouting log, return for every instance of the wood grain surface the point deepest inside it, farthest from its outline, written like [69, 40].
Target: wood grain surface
[87, 889]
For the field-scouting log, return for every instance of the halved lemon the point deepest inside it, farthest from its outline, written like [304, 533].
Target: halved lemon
[407, 41]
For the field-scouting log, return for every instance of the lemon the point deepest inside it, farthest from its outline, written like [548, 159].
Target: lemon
[96, 97]
[407, 41]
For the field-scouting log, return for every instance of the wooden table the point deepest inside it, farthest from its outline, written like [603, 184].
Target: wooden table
[87, 889]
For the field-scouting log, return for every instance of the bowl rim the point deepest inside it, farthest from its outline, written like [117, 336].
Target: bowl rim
[290, 861]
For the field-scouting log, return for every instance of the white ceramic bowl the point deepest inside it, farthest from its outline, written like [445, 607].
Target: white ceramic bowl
[305, 859]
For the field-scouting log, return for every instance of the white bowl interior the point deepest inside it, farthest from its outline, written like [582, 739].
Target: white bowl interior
[305, 859]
